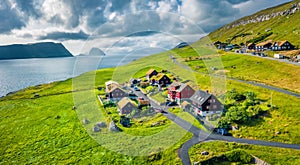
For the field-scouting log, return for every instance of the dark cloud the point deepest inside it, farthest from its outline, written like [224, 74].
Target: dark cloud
[65, 36]
[28, 7]
[115, 18]
[237, 1]
[9, 18]
[142, 33]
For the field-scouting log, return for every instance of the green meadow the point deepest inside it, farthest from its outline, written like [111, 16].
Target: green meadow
[270, 155]
[45, 129]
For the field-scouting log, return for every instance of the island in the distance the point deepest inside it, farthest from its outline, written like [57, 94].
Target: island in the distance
[35, 50]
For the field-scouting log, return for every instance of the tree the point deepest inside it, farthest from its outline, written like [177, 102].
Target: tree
[250, 95]
[237, 114]
[234, 95]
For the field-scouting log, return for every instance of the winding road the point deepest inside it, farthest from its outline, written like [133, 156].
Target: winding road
[203, 136]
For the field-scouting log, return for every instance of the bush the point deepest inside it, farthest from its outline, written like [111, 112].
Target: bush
[239, 155]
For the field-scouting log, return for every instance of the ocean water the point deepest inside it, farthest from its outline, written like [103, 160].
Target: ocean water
[22, 73]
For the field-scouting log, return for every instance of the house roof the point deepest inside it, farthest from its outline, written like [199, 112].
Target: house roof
[250, 44]
[114, 88]
[280, 43]
[110, 82]
[176, 83]
[123, 102]
[144, 102]
[185, 103]
[181, 86]
[264, 43]
[159, 76]
[200, 97]
[150, 71]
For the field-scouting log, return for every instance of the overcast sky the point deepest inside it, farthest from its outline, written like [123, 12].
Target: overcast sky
[119, 26]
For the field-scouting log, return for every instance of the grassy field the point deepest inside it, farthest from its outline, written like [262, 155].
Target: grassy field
[46, 129]
[249, 68]
[269, 154]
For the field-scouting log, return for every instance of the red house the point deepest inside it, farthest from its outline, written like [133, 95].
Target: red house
[178, 91]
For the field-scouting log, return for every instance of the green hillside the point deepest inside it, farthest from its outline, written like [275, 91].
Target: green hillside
[277, 23]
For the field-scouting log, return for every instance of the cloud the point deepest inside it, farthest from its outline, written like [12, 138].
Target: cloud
[61, 36]
[69, 20]
[10, 17]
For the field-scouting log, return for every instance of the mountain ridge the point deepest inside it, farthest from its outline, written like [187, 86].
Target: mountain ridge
[276, 23]
[33, 50]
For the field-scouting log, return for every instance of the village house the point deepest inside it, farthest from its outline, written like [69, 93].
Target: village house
[125, 106]
[110, 84]
[178, 91]
[160, 79]
[267, 45]
[279, 56]
[151, 73]
[220, 45]
[282, 45]
[113, 91]
[205, 104]
[251, 46]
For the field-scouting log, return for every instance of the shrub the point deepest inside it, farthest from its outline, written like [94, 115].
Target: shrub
[239, 155]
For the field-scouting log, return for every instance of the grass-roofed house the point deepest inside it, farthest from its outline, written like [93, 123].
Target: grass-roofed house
[114, 92]
[160, 79]
[126, 106]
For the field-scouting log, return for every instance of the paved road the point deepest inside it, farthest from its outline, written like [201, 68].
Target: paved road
[274, 59]
[242, 81]
[202, 136]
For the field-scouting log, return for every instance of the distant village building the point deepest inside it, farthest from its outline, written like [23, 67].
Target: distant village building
[282, 45]
[267, 45]
[220, 45]
[275, 46]
[251, 46]
[279, 56]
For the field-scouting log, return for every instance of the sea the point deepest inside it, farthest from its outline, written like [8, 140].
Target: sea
[18, 74]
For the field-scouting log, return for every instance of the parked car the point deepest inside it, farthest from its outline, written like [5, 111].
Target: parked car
[263, 55]
[221, 131]
[171, 103]
[136, 88]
